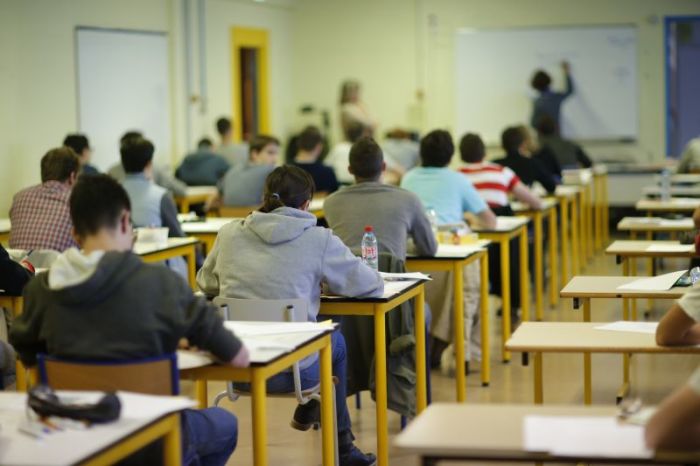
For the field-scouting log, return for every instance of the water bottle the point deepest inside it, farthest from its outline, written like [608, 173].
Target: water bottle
[665, 185]
[433, 219]
[694, 275]
[370, 251]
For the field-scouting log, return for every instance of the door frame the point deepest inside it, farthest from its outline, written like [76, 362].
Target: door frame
[242, 37]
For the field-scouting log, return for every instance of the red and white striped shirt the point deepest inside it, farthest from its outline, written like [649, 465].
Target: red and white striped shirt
[40, 218]
[492, 181]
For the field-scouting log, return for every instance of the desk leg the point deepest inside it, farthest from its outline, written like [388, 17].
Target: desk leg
[259, 393]
[200, 392]
[172, 446]
[564, 241]
[327, 399]
[587, 390]
[184, 206]
[553, 291]
[539, 394]
[525, 275]
[21, 383]
[191, 266]
[458, 316]
[589, 216]
[505, 292]
[606, 211]
[421, 371]
[575, 244]
[650, 273]
[485, 316]
[625, 301]
[539, 267]
[381, 390]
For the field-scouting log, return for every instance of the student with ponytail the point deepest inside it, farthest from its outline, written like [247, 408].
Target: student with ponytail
[278, 252]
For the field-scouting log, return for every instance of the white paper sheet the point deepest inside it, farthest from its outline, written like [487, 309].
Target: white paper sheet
[584, 436]
[459, 250]
[253, 329]
[663, 247]
[393, 288]
[658, 283]
[681, 222]
[192, 359]
[627, 326]
[404, 276]
[685, 200]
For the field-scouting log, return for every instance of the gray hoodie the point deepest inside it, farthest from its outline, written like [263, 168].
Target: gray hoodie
[283, 254]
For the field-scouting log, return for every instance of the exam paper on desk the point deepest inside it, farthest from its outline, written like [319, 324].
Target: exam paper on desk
[627, 326]
[670, 248]
[658, 283]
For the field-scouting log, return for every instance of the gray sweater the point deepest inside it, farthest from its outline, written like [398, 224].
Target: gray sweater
[394, 213]
[283, 254]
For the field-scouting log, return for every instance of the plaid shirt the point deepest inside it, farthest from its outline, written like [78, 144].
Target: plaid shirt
[40, 218]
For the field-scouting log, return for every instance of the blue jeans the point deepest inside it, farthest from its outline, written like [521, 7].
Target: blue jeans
[209, 436]
[310, 377]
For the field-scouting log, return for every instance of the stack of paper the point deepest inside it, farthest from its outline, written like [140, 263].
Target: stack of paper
[584, 437]
[626, 326]
[659, 283]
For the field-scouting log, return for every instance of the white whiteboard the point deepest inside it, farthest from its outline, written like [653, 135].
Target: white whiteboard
[123, 84]
[494, 68]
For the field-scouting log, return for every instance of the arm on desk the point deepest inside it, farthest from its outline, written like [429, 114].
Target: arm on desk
[677, 328]
[523, 194]
[484, 219]
[676, 423]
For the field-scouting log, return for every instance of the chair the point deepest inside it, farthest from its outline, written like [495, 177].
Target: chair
[236, 212]
[153, 376]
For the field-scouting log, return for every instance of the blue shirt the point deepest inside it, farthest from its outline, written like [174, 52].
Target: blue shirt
[448, 192]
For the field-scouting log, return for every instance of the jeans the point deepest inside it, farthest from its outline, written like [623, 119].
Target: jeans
[209, 436]
[310, 377]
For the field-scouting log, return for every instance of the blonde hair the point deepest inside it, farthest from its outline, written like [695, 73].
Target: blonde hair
[348, 88]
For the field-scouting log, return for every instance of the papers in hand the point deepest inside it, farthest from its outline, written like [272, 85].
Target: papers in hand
[395, 277]
[659, 283]
[626, 326]
[584, 436]
[670, 247]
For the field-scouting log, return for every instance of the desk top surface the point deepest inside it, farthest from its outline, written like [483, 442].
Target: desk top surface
[655, 224]
[143, 249]
[547, 203]
[577, 337]
[200, 191]
[392, 290]
[505, 225]
[674, 204]
[607, 287]
[655, 190]
[71, 446]
[454, 251]
[650, 248]
[208, 225]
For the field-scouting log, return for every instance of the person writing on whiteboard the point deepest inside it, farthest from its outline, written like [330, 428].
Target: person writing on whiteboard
[549, 102]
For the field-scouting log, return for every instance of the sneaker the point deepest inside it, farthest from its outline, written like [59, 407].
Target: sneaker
[307, 416]
[354, 457]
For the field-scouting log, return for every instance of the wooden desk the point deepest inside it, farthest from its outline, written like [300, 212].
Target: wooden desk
[568, 197]
[206, 231]
[507, 229]
[575, 337]
[490, 432]
[602, 207]
[676, 191]
[176, 247]
[263, 366]
[195, 195]
[684, 178]
[548, 210]
[585, 198]
[377, 308]
[4, 230]
[675, 205]
[101, 444]
[453, 259]
[651, 225]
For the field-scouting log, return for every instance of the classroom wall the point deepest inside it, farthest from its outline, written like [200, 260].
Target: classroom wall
[399, 49]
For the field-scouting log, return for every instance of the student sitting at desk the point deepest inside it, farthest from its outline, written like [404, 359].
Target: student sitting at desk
[340, 154]
[279, 252]
[161, 174]
[204, 167]
[676, 425]
[556, 152]
[39, 215]
[103, 303]
[519, 159]
[243, 184]
[309, 147]
[234, 153]
[152, 205]
[81, 146]
[452, 196]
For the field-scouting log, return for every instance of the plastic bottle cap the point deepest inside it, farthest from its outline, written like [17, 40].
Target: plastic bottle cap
[369, 228]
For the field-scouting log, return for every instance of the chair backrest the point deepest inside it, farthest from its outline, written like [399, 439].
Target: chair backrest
[152, 376]
[264, 310]
[236, 212]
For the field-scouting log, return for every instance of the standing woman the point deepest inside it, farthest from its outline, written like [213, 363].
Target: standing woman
[548, 103]
[352, 109]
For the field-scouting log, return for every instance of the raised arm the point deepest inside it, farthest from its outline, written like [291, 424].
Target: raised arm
[569, 81]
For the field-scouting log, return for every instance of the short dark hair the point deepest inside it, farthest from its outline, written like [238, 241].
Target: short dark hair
[366, 159]
[223, 126]
[471, 148]
[541, 80]
[136, 155]
[287, 186]
[204, 143]
[59, 164]
[130, 136]
[512, 138]
[309, 138]
[96, 202]
[547, 126]
[259, 142]
[78, 142]
[354, 131]
[436, 149]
